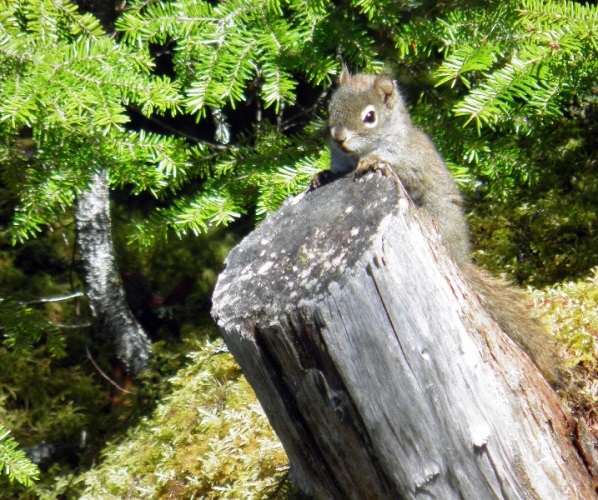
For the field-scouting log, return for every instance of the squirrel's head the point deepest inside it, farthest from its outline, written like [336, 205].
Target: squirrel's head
[364, 111]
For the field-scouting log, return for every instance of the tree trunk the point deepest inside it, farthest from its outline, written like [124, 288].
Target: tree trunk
[96, 248]
[377, 365]
[104, 286]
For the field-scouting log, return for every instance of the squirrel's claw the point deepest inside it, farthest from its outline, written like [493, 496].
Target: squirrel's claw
[371, 163]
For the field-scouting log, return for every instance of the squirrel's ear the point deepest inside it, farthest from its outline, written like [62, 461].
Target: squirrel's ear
[387, 90]
[345, 75]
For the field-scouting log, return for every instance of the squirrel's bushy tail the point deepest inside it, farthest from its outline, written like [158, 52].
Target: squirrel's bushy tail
[511, 310]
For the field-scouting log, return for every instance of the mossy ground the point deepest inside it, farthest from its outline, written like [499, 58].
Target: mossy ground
[209, 438]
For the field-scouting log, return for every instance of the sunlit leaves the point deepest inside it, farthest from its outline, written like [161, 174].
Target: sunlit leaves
[63, 78]
[465, 59]
[287, 180]
[84, 82]
[528, 68]
[495, 98]
[190, 215]
[510, 69]
[159, 161]
[508, 74]
[225, 48]
[71, 87]
[574, 23]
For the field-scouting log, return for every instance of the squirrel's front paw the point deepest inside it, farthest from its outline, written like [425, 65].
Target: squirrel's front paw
[371, 163]
[321, 178]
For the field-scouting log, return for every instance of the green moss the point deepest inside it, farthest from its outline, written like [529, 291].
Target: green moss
[208, 439]
[572, 309]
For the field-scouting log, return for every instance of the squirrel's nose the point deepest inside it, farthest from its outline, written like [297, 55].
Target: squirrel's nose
[338, 134]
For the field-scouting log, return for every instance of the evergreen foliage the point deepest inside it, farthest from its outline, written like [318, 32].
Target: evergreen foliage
[64, 98]
[518, 70]
[13, 462]
[252, 74]
[22, 328]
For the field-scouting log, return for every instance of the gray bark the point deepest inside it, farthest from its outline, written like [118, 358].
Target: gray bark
[104, 286]
[377, 365]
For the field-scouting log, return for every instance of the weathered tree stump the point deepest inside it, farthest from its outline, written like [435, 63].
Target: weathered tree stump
[376, 364]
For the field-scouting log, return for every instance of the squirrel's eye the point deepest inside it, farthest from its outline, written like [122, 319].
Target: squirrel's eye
[369, 116]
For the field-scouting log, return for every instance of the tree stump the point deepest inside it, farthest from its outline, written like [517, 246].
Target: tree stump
[377, 365]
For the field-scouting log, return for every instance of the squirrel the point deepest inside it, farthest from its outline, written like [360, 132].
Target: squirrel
[371, 129]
